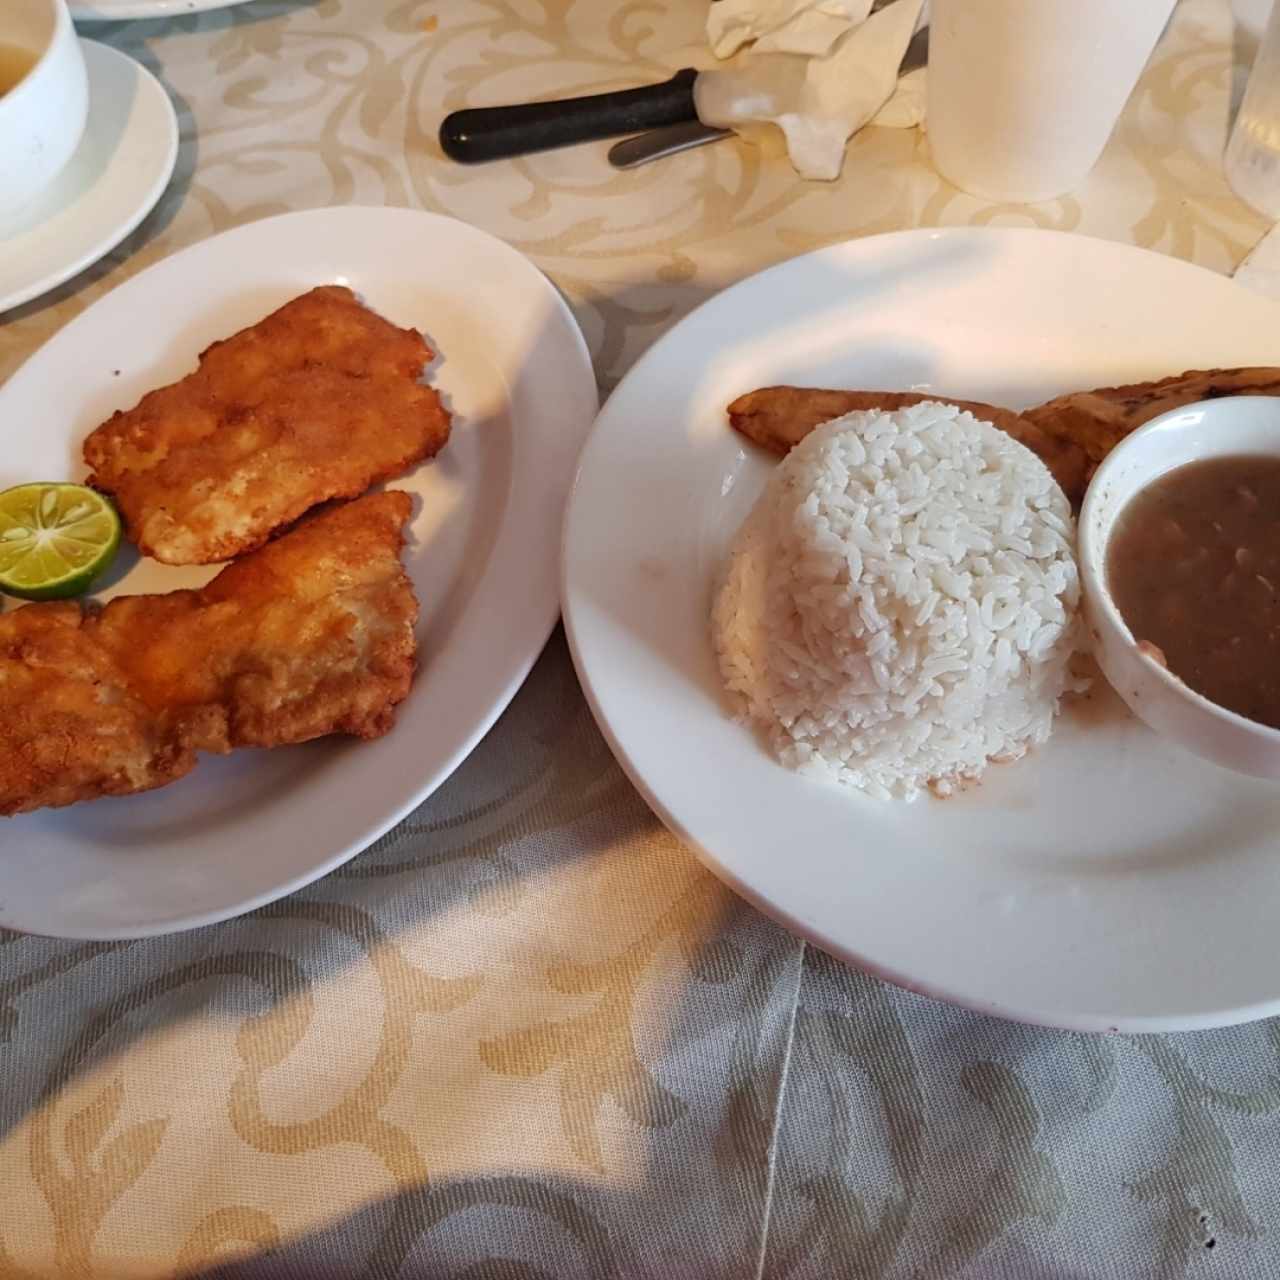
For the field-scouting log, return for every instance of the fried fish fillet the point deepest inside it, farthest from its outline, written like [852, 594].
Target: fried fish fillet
[1071, 434]
[309, 636]
[70, 728]
[318, 401]
[779, 417]
[1098, 420]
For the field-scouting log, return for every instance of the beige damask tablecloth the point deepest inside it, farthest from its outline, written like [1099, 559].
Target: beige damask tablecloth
[525, 1035]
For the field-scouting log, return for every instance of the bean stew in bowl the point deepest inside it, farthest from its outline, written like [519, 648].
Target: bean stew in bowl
[1193, 564]
[1180, 563]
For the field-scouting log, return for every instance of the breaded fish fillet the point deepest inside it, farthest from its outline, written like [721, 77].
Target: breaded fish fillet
[311, 635]
[70, 729]
[318, 401]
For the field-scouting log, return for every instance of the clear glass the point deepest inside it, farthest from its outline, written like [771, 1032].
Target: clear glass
[1253, 151]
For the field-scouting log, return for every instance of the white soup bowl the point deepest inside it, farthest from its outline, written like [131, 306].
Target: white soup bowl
[1208, 429]
[42, 118]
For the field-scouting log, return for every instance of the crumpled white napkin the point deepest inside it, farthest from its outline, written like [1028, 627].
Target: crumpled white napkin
[818, 70]
[905, 108]
[1260, 270]
[782, 26]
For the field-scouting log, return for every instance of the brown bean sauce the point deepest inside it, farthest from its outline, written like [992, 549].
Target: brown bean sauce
[1193, 564]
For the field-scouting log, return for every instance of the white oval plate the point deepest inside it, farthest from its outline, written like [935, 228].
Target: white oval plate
[1110, 881]
[112, 10]
[247, 828]
[119, 171]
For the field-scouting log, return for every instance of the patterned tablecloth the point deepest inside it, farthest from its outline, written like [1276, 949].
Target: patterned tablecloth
[525, 1035]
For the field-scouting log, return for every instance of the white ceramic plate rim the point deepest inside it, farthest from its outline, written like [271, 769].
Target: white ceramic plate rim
[518, 586]
[150, 189]
[115, 10]
[598, 666]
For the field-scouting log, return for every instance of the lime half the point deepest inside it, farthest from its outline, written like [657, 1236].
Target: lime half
[54, 539]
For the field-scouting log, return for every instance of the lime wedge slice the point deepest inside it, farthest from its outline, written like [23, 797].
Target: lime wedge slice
[54, 539]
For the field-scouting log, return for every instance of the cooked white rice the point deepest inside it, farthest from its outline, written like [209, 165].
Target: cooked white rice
[901, 605]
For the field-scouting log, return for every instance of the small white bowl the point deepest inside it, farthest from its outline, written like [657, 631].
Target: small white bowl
[42, 118]
[1207, 429]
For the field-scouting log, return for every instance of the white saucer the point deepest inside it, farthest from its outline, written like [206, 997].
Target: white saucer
[111, 10]
[113, 181]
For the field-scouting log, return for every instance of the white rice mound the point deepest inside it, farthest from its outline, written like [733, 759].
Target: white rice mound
[901, 605]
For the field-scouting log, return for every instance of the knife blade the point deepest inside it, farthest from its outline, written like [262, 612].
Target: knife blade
[494, 133]
[666, 141]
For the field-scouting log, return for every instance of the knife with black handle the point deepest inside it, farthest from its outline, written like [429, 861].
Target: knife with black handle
[494, 133]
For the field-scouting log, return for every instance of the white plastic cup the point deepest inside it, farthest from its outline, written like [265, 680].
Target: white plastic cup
[42, 118]
[1023, 94]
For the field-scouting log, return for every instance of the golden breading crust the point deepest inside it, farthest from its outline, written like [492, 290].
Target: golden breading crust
[318, 401]
[69, 727]
[311, 635]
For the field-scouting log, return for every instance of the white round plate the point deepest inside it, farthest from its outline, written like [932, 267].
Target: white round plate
[483, 555]
[111, 10]
[1110, 881]
[123, 164]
